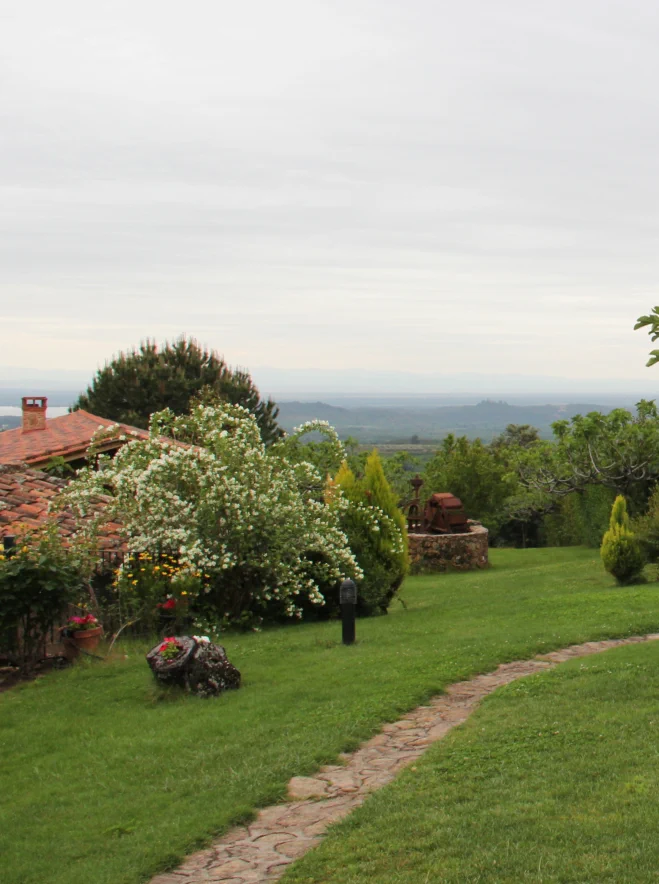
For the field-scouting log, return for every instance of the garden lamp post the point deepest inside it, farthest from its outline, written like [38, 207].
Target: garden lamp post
[348, 600]
[8, 543]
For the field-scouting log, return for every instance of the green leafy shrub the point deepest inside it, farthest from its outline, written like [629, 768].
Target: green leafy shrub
[376, 532]
[37, 582]
[580, 518]
[646, 527]
[621, 551]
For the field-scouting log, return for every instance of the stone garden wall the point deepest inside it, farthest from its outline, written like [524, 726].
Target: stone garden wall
[431, 553]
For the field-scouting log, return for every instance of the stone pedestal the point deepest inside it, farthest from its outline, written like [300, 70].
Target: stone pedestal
[434, 553]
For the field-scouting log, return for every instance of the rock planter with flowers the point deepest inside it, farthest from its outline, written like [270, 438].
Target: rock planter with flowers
[81, 634]
[193, 663]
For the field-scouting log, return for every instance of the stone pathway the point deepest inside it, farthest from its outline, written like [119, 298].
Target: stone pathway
[261, 851]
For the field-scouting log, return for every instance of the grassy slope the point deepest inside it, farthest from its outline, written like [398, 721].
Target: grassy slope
[554, 779]
[103, 781]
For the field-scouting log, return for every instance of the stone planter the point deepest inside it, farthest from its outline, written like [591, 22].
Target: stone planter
[201, 668]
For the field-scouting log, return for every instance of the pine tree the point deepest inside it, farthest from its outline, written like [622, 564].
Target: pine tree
[135, 384]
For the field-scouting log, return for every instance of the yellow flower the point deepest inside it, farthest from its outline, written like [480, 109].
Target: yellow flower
[134, 582]
[184, 592]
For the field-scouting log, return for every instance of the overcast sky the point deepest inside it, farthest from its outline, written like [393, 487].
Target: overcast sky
[374, 185]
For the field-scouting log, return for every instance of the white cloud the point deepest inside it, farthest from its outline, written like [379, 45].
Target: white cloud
[375, 185]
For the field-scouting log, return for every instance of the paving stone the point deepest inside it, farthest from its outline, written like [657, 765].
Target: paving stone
[379, 740]
[306, 787]
[293, 849]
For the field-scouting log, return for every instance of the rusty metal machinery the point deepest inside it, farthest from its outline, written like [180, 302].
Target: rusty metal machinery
[442, 513]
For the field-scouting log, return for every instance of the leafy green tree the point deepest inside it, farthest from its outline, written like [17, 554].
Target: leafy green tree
[618, 451]
[473, 472]
[516, 435]
[140, 382]
[652, 321]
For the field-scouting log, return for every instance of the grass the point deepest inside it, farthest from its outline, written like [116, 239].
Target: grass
[106, 780]
[553, 779]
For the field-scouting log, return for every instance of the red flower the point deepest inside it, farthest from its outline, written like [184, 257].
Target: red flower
[168, 605]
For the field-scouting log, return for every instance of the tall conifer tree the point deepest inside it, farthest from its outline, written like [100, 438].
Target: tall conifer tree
[142, 381]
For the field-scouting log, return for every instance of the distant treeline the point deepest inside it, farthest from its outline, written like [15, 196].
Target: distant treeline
[533, 492]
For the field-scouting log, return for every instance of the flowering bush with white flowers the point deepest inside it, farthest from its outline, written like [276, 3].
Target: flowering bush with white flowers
[252, 521]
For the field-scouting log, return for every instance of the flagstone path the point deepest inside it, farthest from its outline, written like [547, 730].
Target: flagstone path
[261, 851]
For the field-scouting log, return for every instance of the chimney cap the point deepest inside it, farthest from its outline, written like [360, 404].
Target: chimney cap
[35, 402]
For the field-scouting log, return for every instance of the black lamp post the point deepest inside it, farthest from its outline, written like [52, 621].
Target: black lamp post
[348, 600]
[8, 543]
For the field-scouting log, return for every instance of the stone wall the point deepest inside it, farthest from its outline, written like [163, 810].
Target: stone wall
[433, 553]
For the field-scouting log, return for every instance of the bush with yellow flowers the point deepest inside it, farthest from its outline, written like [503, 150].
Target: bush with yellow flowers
[156, 590]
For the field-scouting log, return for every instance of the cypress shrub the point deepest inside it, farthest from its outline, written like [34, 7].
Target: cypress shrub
[621, 551]
[377, 534]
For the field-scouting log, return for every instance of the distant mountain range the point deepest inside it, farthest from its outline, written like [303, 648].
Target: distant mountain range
[382, 423]
[486, 419]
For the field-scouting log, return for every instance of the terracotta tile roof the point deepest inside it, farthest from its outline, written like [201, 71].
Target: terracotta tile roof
[24, 498]
[67, 436]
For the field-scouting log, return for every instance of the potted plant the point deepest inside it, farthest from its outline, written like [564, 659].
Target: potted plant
[82, 634]
[170, 648]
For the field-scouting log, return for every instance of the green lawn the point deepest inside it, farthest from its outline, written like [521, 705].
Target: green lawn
[103, 781]
[554, 779]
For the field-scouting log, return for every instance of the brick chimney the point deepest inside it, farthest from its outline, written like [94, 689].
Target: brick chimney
[34, 413]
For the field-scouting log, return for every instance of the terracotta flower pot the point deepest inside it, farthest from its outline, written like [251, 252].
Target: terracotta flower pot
[83, 640]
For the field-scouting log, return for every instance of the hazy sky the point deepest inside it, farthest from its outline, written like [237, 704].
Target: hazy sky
[368, 184]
